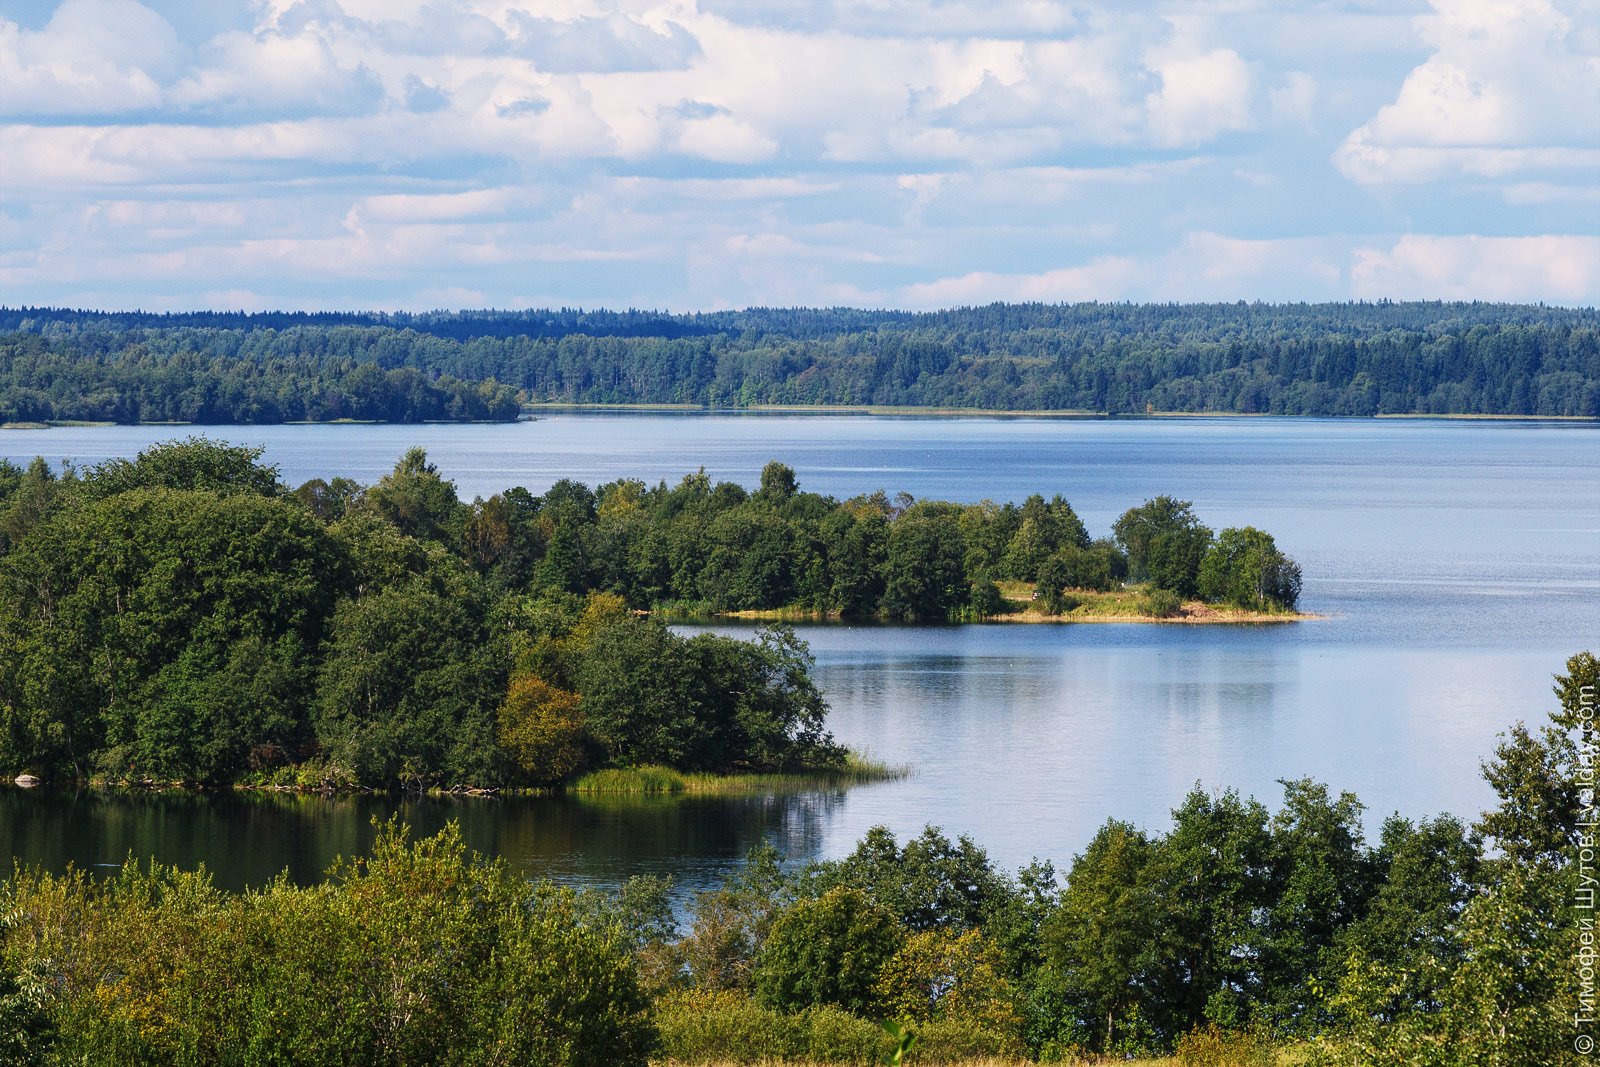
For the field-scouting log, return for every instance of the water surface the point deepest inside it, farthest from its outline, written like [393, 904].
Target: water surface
[1458, 565]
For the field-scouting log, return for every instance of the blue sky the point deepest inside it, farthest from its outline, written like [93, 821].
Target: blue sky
[693, 155]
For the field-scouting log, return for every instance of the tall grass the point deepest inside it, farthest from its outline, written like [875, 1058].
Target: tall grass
[855, 770]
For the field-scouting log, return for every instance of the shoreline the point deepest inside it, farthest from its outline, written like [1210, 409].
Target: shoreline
[532, 413]
[1191, 613]
[1030, 413]
[648, 780]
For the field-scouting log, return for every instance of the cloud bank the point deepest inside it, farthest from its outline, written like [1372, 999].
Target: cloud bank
[682, 154]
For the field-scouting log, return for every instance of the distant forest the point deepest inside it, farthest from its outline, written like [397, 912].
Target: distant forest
[1289, 359]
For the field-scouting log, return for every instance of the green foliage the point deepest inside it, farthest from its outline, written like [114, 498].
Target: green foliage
[945, 975]
[417, 500]
[723, 1027]
[1165, 543]
[1536, 775]
[1159, 603]
[904, 1036]
[930, 883]
[409, 685]
[925, 576]
[163, 632]
[1244, 567]
[827, 950]
[1293, 359]
[27, 1033]
[418, 954]
[1212, 1046]
[1100, 938]
[541, 728]
[193, 463]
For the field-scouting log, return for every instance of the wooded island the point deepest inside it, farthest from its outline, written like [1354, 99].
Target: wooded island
[185, 617]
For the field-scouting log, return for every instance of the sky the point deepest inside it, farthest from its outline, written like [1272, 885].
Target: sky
[707, 154]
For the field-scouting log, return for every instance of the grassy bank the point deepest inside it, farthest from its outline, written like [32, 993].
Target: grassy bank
[856, 770]
[1133, 604]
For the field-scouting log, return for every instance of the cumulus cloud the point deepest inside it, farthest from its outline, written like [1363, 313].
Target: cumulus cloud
[248, 75]
[1560, 268]
[1202, 95]
[94, 57]
[1511, 85]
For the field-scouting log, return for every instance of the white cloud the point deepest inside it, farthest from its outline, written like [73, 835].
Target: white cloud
[696, 153]
[1203, 266]
[92, 57]
[271, 75]
[1557, 268]
[1295, 99]
[1511, 85]
[1202, 95]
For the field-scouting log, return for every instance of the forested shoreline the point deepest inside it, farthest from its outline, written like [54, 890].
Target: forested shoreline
[1239, 936]
[185, 617]
[1300, 359]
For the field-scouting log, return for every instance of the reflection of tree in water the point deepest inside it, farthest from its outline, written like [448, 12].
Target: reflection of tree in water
[245, 839]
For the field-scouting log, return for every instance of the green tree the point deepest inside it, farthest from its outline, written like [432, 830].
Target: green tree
[639, 695]
[418, 500]
[163, 632]
[1324, 879]
[1536, 776]
[1244, 567]
[929, 883]
[1101, 937]
[193, 463]
[828, 950]
[925, 572]
[542, 729]
[1164, 543]
[409, 685]
[1214, 876]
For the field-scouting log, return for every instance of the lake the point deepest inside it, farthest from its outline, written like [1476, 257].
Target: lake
[1457, 565]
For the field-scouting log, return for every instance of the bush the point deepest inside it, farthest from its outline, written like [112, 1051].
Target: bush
[1216, 1047]
[987, 600]
[834, 1036]
[963, 1040]
[725, 1027]
[420, 954]
[1159, 604]
[940, 974]
[827, 950]
[705, 1026]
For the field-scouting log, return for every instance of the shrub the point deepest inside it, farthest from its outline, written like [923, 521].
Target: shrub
[835, 1036]
[1159, 604]
[959, 1040]
[703, 1026]
[1216, 1047]
[420, 954]
[827, 950]
[712, 1026]
[940, 974]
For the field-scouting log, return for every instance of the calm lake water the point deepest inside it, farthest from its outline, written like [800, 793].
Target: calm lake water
[1458, 565]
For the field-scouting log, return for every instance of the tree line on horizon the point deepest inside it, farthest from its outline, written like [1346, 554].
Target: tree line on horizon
[1351, 359]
